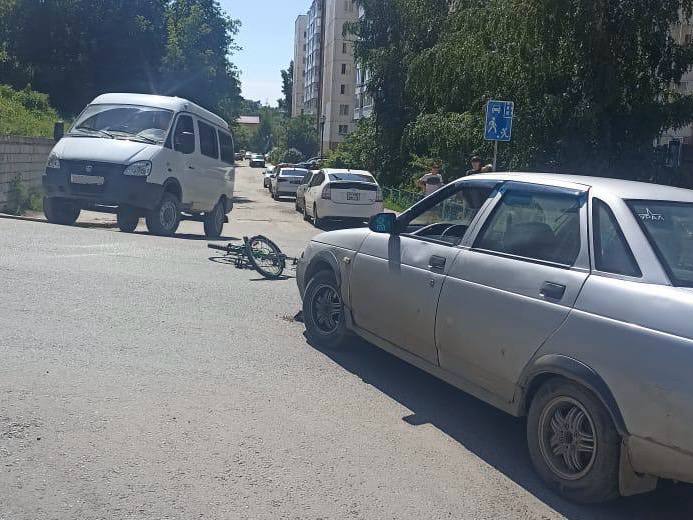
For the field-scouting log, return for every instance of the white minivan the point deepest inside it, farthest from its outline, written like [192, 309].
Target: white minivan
[138, 155]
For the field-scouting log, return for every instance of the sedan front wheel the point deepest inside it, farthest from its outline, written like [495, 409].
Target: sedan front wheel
[573, 443]
[323, 312]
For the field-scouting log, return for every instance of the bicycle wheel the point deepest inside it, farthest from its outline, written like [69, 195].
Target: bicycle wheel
[266, 257]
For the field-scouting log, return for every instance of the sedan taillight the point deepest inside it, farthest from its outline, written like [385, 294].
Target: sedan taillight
[326, 192]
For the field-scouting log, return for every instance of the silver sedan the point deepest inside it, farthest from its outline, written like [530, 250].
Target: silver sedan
[564, 299]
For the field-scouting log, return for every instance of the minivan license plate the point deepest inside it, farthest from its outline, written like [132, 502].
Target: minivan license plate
[353, 195]
[86, 179]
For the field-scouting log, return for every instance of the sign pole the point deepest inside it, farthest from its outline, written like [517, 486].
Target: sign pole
[495, 155]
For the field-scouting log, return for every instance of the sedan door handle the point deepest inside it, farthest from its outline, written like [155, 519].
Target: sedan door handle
[552, 291]
[437, 262]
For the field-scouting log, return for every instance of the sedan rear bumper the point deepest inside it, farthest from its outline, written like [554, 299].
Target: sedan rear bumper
[329, 209]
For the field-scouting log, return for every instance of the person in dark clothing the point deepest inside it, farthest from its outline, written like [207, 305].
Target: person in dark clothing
[476, 166]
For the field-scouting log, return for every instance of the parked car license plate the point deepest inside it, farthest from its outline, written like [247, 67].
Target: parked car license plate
[353, 195]
[86, 179]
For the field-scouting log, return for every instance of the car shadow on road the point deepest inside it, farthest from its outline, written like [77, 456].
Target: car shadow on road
[190, 236]
[492, 435]
[78, 224]
[242, 200]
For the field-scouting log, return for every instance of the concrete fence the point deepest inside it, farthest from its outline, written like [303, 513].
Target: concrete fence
[23, 157]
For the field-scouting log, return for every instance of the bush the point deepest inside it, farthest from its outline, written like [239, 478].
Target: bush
[22, 198]
[293, 156]
[26, 113]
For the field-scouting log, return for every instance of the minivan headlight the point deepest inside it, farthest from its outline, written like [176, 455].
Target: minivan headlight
[53, 161]
[139, 169]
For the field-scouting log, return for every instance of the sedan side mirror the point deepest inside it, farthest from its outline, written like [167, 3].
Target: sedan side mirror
[383, 223]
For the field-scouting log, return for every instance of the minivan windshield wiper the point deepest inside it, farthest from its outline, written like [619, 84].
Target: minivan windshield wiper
[95, 130]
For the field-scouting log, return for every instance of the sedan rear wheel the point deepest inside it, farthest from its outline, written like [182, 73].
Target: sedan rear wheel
[573, 443]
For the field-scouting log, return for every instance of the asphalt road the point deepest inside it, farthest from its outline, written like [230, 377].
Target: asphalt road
[141, 380]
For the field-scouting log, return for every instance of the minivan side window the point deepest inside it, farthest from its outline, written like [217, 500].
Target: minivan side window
[535, 225]
[184, 138]
[611, 251]
[208, 140]
[226, 145]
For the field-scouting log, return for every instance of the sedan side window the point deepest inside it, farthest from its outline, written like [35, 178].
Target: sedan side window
[536, 225]
[448, 220]
[611, 251]
[184, 138]
[317, 180]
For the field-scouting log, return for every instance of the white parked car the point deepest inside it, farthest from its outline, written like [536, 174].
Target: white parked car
[138, 155]
[336, 194]
[286, 182]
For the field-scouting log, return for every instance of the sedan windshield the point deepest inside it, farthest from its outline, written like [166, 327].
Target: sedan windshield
[669, 228]
[147, 124]
[354, 177]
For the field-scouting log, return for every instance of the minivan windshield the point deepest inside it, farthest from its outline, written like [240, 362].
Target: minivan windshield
[669, 228]
[138, 123]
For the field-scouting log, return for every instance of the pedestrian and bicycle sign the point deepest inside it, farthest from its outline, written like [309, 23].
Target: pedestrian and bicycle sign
[499, 121]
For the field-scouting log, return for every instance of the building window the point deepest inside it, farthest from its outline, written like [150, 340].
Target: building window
[344, 48]
[342, 89]
[344, 69]
[343, 129]
[343, 110]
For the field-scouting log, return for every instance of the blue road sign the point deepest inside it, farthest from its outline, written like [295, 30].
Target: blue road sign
[499, 121]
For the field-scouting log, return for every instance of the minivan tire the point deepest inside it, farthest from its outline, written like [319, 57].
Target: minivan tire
[322, 298]
[128, 219]
[60, 211]
[214, 221]
[164, 219]
[560, 410]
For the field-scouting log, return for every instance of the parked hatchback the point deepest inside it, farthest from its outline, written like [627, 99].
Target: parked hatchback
[563, 299]
[334, 194]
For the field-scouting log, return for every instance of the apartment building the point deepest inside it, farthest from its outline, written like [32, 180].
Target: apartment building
[329, 80]
[300, 35]
[363, 102]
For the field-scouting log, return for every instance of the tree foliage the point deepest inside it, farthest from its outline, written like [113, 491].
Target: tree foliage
[287, 102]
[592, 81]
[74, 50]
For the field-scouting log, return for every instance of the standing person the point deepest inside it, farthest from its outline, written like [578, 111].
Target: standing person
[432, 181]
[476, 166]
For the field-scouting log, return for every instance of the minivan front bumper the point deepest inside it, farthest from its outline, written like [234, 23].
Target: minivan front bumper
[117, 189]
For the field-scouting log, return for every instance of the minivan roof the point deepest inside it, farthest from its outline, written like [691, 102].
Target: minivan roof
[170, 103]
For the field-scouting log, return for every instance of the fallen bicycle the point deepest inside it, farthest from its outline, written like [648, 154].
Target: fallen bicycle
[258, 253]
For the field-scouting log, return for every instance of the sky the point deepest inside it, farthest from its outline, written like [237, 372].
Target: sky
[267, 38]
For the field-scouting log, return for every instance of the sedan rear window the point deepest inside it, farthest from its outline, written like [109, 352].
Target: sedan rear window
[669, 228]
[353, 177]
[293, 173]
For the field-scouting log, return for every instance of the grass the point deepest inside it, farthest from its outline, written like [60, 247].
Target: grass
[23, 199]
[25, 113]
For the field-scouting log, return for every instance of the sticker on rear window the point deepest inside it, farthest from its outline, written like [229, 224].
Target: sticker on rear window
[652, 217]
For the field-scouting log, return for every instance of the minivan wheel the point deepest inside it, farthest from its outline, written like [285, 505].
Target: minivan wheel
[60, 211]
[214, 221]
[323, 312]
[164, 219]
[128, 219]
[573, 443]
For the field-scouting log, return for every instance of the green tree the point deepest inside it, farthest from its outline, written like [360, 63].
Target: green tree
[200, 39]
[76, 49]
[302, 135]
[592, 80]
[287, 102]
